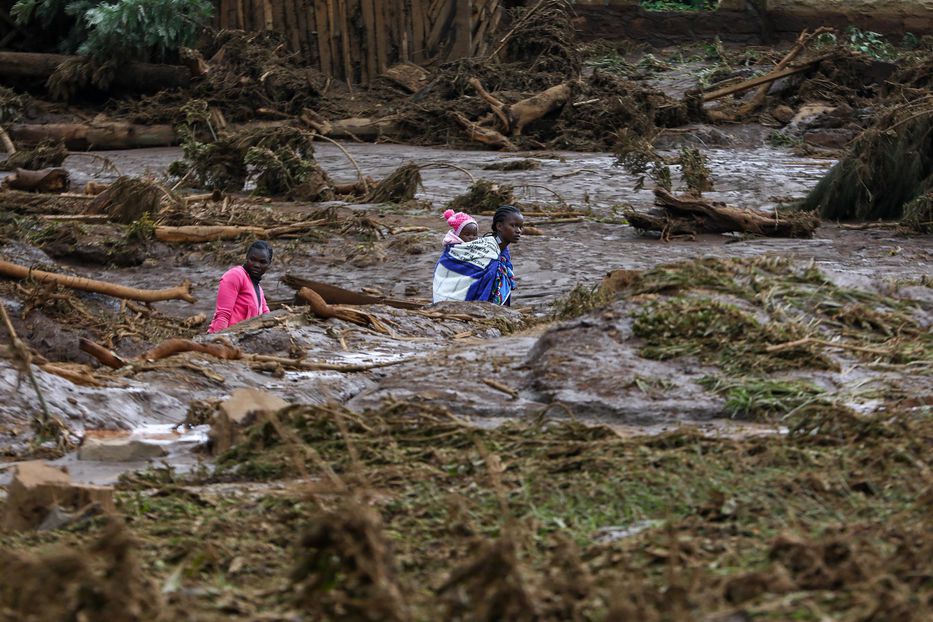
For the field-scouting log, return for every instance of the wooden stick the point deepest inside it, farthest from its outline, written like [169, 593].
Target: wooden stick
[16, 271]
[8, 145]
[21, 352]
[102, 354]
[498, 386]
[765, 79]
[762, 92]
[498, 108]
[170, 347]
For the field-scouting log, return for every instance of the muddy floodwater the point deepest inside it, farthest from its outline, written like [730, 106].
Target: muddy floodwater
[448, 362]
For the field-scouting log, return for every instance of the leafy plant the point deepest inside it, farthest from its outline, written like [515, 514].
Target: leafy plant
[142, 30]
[870, 43]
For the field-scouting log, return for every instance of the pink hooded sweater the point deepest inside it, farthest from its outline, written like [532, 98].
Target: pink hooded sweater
[236, 300]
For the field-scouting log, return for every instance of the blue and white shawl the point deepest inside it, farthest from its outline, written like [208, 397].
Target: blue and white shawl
[475, 270]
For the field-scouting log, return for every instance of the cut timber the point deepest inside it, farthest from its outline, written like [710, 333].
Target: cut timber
[16, 271]
[95, 135]
[141, 77]
[482, 134]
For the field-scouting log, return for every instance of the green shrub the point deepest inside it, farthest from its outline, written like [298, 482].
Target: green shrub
[141, 30]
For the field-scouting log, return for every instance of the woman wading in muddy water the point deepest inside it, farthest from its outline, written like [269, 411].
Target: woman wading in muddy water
[481, 269]
[239, 296]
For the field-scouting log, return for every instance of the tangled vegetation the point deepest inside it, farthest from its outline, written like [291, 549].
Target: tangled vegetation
[405, 513]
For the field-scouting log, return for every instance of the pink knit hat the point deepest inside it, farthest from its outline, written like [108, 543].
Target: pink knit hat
[458, 221]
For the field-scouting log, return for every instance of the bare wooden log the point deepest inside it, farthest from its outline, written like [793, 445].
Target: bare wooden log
[762, 93]
[193, 234]
[333, 295]
[102, 354]
[715, 217]
[533, 108]
[16, 271]
[170, 347]
[498, 108]
[52, 180]
[141, 77]
[482, 134]
[95, 135]
[326, 311]
[353, 128]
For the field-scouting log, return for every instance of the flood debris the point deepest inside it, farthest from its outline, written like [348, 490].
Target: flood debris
[47, 154]
[118, 448]
[690, 216]
[44, 180]
[38, 490]
[235, 414]
[129, 199]
[16, 271]
[101, 580]
[888, 166]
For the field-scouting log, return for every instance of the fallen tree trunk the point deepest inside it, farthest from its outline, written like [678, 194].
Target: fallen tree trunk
[333, 295]
[533, 108]
[760, 80]
[95, 135]
[326, 311]
[716, 217]
[194, 234]
[50, 180]
[482, 134]
[688, 215]
[353, 128]
[170, 347]
[140, 77]
[16, 271]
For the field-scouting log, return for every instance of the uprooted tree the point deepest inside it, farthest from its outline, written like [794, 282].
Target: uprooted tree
[889, 166]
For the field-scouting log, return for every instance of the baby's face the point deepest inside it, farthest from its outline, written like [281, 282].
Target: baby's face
[469, 233]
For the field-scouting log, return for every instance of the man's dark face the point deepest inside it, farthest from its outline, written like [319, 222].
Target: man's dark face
[257, 262]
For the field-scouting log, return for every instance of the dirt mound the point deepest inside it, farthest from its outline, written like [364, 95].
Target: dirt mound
[346, 570]
[101, 582]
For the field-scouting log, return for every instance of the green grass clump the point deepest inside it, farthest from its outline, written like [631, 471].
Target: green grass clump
[581, 300]
[720, 333]
[763, 399]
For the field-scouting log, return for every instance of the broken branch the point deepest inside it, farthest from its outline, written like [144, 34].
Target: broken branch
[16, 271]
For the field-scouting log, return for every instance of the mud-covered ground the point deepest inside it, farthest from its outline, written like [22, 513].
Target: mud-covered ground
[724, 428]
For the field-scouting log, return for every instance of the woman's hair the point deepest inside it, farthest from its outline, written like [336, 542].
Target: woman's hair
[260, 245]
[501, 212]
